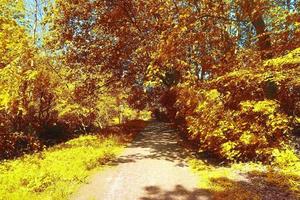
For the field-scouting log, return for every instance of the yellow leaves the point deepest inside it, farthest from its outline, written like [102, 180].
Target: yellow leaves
[64, 108]
[247, 138]
[184, 15]
[31, 75]
[285, 157]
[154, 55]
[275, 120]
[201, 106]
[48, 174]
[246, 106]
[128, 113]
[182, 63]
[291, 58]
[213, 94]
[297, 24]
[9, 86]
[218, 133]
[14, 42]
[266, 107]
[5, 99]
[12, 8]
[297, 120]
[288, 163]
[241, 134]
[71, 86]
[184, 29]
[228, 149]
[228, 146]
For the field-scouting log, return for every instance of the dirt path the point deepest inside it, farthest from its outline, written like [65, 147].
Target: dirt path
[153, 167]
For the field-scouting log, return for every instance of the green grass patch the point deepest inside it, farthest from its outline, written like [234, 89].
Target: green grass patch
[57, 172]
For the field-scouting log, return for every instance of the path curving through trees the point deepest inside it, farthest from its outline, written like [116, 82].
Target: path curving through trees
[153, 167]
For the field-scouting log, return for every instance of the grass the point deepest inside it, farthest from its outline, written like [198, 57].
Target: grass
[244, 181]
[57, 172]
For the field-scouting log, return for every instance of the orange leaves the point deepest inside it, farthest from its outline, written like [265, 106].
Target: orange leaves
[242, 134]
[166, 31]
[17, 144]
[235, 121]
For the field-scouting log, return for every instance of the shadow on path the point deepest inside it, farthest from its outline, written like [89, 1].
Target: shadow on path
[160, 141]
[179, 192]
[152, 167]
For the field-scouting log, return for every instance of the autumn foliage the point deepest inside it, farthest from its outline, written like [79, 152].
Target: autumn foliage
[225, 72]
[244, 114]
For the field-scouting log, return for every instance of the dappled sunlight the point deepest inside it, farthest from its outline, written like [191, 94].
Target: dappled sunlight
[246, 181]
[153, 166]
[179, 192]
[157, 141]
[252, 188]
[203, 97]
[56, 172]
[223, 187]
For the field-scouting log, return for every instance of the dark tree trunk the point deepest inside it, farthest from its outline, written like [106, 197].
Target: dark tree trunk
[254, 12]
[264, 39]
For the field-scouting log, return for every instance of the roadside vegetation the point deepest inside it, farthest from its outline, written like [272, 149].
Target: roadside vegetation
[55, 173]
[254, 138]
[251, 180]
[225, 73]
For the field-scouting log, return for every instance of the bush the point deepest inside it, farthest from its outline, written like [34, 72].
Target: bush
[17, 144]
[56, 172]
[126, 131]
[248, 116]
[35, 103]
[27, 106]
[252, 131]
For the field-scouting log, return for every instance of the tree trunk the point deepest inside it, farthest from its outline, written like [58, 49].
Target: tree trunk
[264, 39]
[254, 12]
[35, 21]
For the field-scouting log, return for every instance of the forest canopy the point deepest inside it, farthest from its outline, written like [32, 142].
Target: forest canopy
[225, 72]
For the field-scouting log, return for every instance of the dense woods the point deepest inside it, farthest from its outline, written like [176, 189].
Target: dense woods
[225, 72]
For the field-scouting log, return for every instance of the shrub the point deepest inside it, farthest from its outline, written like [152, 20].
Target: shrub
[57, 172]
[17, 144]
[250, 132]
[245, 114]
[34, 103]
[27, 105]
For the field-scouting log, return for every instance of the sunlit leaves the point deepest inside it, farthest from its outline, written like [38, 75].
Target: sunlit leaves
[56, 172]
[201, 61]
[236, 121]
[292, 57]
[14, 43]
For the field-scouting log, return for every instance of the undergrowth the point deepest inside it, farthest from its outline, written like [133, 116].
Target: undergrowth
[55, 173]
[243, 181]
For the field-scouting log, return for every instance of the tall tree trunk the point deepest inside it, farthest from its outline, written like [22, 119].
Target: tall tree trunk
[264, 39]
[254, 12]
[35, 21]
